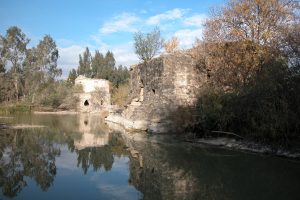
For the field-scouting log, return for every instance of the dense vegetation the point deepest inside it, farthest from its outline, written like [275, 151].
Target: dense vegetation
[100, 66]
[250, 53]
[29, 76]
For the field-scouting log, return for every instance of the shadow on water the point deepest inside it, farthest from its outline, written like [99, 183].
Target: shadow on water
[80, 155]
[206, 173]
[174, 170]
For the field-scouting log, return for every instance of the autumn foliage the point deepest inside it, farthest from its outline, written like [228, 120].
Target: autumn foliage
[250, 53]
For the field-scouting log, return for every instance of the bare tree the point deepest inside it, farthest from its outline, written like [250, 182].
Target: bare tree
[245, 35]
[148, 45]
[171, 45]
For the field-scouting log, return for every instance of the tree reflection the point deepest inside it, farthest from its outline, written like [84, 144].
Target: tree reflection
[100, 157]
[97, 157]
[26, 153]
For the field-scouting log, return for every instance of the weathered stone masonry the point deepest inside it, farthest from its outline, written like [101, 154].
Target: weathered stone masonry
[158, 88]
[95, 96]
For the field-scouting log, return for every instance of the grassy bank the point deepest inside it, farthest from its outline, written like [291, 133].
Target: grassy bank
[14, 109]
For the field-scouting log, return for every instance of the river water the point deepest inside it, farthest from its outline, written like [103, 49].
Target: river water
[81, 157]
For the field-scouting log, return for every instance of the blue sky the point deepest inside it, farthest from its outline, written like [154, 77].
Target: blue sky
[104, 25]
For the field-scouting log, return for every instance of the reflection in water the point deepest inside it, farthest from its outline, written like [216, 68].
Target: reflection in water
[26, 154]
[89, 125]
[180, 172]
[31, 152]
[79, 157]
[94, 146]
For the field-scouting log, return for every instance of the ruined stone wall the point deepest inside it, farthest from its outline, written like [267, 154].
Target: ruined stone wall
[171, 78]
[95, 96]
[164, 84]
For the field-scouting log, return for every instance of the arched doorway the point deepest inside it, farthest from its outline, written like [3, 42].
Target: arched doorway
[86, 103]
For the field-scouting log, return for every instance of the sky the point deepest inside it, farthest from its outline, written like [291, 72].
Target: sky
[104, 25]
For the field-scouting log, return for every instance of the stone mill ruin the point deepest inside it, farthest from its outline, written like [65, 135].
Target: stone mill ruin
[95, 95]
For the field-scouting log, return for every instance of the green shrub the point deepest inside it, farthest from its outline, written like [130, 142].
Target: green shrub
[14, 109]
[119, 94]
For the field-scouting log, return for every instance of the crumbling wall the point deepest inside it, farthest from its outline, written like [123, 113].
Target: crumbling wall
[95, 96]
[171, 78]
[163, 84]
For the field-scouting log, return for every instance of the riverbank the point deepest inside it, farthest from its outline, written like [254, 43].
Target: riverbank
[220, 142]
[246, 145]
[19, 126]
[55, 112]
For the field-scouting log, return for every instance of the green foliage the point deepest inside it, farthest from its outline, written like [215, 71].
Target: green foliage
[85, 62]
[14, 109]
[13, 52]
[120, 94]
[72, 76]
[101, 67]
[57, 95]
[148, 45]
[266, 109]
[253, 79]
[25, 71]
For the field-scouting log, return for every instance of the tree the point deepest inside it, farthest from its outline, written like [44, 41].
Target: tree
[72, 76]
[85, 62]
[262, 22]
[13, 50]
[171, 45]
[98, 64]
[47, 56]
[147, 45]
[2, 55]
[40, 66]
[103, 67]
[244, 36]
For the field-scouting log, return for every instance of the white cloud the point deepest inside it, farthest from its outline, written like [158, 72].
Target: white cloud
[169, 15]
[195, 20]
[186, 27]
[114, 191]
[68, 58]
[187, 37]
[124, 22]
[124, 54]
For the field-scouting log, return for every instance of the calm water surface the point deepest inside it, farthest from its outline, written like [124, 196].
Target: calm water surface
[80, 157]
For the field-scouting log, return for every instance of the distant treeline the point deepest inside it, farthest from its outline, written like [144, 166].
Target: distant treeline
[25, 72]
[100, 66]
[30, 75]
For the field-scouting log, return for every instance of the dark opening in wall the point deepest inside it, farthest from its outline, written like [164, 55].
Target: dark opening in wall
[153, 91]
[86, 122]
[86, 103]
[142, 83]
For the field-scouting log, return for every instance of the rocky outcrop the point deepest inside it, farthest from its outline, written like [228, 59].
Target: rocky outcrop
[158, 88]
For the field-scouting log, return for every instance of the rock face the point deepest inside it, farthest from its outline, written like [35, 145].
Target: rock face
[158, 88]
[95, 96]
